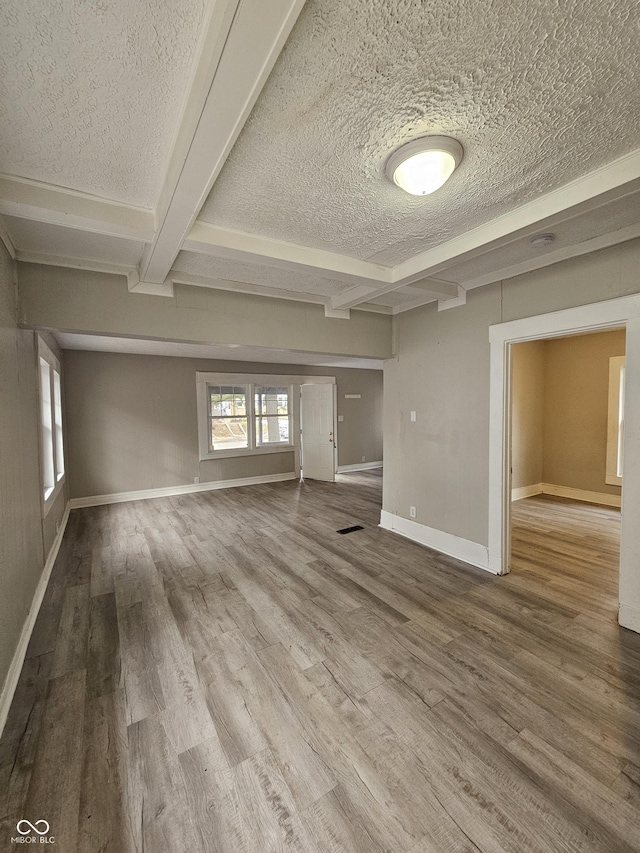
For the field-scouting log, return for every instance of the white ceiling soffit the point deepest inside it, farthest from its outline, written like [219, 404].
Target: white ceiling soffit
[117, 125]
[223, 352]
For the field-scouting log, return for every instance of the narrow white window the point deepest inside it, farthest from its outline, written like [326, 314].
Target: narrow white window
[57, 419]
[51, 426]
[615, 422]
[46, 429]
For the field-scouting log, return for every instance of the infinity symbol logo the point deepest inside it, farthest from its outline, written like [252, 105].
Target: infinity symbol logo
[32, 827]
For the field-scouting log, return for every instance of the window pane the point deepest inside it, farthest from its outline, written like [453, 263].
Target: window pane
[228, 433]
[46, 415]
[272, 401]
[272, 415]
[57, 418]
[272, 429]
[620, 421]
[227, 417]
[227, 401]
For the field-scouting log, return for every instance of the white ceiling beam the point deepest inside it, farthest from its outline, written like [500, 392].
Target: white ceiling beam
[178, 277]
[436, 287]
[213, 35]
[71, 262]
[435, 260]
[547, 258]
[33, 200]
[208, 239]
[443, 304]
[247, 52]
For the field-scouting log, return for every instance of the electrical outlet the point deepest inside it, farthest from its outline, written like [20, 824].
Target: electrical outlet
[196, 480]
[412, 512]
[413, 417]
[364, 458]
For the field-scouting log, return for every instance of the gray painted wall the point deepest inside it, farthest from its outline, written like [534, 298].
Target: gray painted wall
[440, 464]
[131, 421]
[24, 538]
[81, 301]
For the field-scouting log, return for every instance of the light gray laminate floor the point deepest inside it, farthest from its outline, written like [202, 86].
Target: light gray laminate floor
[223, 672]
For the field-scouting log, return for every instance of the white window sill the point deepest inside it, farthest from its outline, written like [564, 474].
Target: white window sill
[248, 451]
[49, 498]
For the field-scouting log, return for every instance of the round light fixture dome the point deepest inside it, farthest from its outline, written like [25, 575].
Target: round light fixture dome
[422, 166]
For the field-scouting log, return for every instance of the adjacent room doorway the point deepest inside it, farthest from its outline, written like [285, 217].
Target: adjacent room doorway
[567, 423]
[623, 312]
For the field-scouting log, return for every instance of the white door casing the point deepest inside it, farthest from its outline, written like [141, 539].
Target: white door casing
[624, 312]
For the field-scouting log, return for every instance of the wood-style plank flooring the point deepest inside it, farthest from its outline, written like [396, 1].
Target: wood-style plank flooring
[223, 672]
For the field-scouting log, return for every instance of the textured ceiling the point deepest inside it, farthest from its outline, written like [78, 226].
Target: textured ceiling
[538, 94]
[92, 95]
[91, 91]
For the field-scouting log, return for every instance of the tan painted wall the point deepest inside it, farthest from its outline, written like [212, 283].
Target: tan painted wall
[559, 414]
[440, 464]
[22, 547]
[132, 424]
[527, 419]
[80, 301]
[576, 382]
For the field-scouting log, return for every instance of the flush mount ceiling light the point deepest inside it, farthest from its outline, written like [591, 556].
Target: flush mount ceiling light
[424, 165]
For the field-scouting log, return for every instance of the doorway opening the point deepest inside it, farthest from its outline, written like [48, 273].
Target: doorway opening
[623, 312]
[567, 422]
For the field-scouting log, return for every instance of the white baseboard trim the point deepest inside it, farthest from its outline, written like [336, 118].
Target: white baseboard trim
[629, 617]
[565, 492]
[581, 495]
[169, 491]
[446, 543]
[526, 491]
[358, 466]
[17, 662]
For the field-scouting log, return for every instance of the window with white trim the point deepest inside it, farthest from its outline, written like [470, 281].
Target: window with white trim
[51, 428]
[227, 416]
[241, 415]
[272, 407]
[615, 421]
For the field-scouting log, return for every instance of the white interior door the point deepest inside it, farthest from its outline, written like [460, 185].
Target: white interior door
[317, 425]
